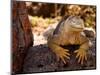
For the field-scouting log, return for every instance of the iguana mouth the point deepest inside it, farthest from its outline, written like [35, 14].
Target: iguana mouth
[76, 27]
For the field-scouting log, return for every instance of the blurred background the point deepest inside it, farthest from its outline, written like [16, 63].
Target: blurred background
[45, 16]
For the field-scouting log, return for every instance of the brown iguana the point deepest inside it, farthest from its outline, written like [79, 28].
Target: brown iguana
[69, 31]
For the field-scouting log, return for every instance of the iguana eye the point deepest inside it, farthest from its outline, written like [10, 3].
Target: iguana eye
[74, 22]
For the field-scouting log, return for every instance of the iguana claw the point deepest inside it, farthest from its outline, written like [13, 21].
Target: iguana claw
[62, 54]
[81, 55]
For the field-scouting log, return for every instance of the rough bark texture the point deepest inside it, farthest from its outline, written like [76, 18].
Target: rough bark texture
[22, 37]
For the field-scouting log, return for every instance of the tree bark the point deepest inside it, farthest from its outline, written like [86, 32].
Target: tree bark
[22, 37]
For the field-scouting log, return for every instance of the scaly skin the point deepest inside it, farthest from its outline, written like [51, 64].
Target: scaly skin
[68, 32]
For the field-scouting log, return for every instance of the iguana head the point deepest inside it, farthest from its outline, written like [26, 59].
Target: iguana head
[74, 23]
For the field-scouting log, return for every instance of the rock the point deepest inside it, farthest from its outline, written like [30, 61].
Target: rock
[22, 37]
[41, 59]
[49, 30]
[89, 32]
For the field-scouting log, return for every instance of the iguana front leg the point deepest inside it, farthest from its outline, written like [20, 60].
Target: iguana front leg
[82, 51]
[60, 52]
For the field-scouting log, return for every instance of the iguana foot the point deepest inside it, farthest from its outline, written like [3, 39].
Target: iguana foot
[62, 54]
[81, 55]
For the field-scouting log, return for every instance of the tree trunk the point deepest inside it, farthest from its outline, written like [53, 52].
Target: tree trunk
[22, 37]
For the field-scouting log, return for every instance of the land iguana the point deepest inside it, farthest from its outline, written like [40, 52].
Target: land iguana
[69, 32]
